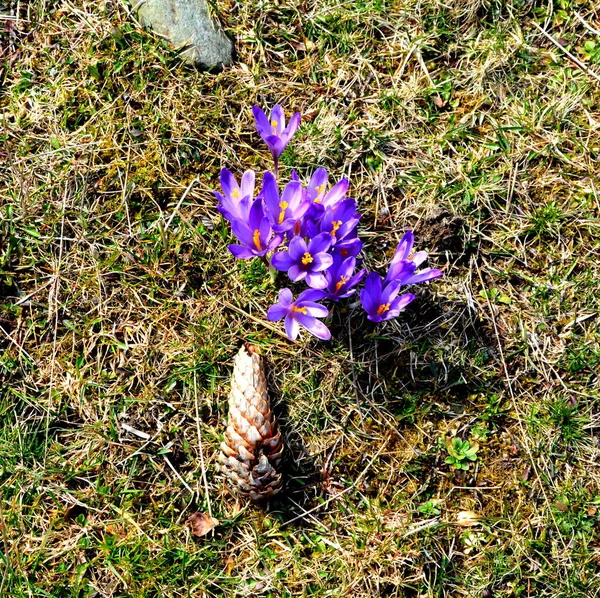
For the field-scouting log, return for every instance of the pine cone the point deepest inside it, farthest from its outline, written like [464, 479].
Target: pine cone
[252, 448]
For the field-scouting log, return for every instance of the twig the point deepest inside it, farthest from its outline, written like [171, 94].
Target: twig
[202, 465]
[185, 193]
[574, 58]
[138, 433]
[177, 474]
[585, 24]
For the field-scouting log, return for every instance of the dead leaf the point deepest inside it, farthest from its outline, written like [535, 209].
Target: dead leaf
[201, 523]
[467, 518]
[229, 564]
[439, 101]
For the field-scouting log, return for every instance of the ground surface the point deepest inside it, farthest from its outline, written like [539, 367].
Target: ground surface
[120, 304]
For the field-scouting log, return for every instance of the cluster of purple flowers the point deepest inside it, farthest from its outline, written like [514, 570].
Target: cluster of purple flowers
[319, 227]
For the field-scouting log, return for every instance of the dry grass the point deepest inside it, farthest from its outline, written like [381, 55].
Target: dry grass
[121, 305]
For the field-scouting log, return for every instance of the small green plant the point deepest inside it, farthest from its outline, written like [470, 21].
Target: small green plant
[460, 453]
[431, 508]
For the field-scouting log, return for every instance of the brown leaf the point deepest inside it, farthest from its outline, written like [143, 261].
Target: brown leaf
[229, 564]
[561, 506]
[439, 101]
[467, 518]
[201, 523]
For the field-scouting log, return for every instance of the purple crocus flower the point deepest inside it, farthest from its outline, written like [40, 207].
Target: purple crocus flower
[284, 212]
[318, 186]
[273, 130]
[350, 246]
[403, 266]
[340, 278]
[304, 311]
[255, 234]
[339, 221]
[382, 302]
[236, 199]
[306, 260]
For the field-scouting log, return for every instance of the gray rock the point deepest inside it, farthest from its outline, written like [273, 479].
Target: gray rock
[188, 26]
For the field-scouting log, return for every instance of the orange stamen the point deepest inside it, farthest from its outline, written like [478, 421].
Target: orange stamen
[342, 281]
[299, 310]
[306, 258]
[335, 225]
[383, 308]
[256, 239]
[283, 205]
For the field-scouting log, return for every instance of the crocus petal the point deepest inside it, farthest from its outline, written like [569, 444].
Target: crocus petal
[401, 302]
[345, 229]
[321, 261]
[282, 261]
[276, 312]
[424, 276]
[243, 233]
[275, 242]
[270, 196]
[292, 194]
[316, 281]
[354, 280]
[373, 285]
[314, 326]
[318, 183]
[389, 292]
[314, 309]
[404, 247]
[370, 295]
[265, 232]
[298, 248]
[291, 327]
[263, 126]
[285, 297]
[419, 257]
[228, 182]
[347, 247]
[277, 116]
[275, 144]
[242, 253]
[247, 184]
[291, 129]
[296, 273]
[336, 194]
[310, 295]
[401, 271]
[320, 243]
[256, 215]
